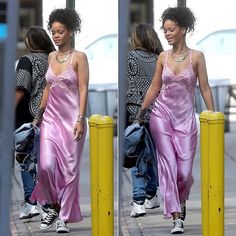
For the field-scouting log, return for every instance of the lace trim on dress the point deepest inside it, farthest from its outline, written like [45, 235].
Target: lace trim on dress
[63, 81]
[182, 80]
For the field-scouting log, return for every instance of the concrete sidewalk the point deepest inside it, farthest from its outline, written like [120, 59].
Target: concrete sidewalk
[154, 224]
[31, 227]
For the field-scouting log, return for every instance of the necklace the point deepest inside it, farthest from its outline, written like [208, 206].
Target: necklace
[180, 58]
[64, 59]
[65, 53]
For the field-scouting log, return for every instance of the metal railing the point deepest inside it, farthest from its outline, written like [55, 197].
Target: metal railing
[104, 101]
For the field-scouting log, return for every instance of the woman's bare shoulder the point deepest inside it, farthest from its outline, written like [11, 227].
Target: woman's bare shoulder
[51, 54]
[162, 55]
[197, 53]
[80, 55]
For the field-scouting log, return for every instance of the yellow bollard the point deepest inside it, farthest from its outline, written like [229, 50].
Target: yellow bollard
[102, 187]
[105, 182]
[204, 138]
[216, 178]
[212, 155]
[93, 145]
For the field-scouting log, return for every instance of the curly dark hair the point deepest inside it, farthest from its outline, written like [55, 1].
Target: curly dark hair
[183, 16]
[68, 17]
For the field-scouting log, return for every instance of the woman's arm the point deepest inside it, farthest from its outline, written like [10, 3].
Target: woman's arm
[19, 94]
[42, 106]
[203, 81]
[44, 99]
[83, 80]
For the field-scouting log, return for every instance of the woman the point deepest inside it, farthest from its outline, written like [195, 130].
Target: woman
[63, 125]
[141, 65]
[30, 83]
[172, 122]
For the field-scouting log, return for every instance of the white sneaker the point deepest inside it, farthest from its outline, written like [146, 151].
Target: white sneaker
[137, 210]
[178, 227]
[61, 227]
[152, 203]
[28, 211]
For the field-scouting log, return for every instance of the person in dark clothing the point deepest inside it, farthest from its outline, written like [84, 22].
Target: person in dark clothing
[30, 83]
[141, 65]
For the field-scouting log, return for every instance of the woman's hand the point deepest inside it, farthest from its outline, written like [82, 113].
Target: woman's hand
[140, 116]
[36, 122]
[78, 130]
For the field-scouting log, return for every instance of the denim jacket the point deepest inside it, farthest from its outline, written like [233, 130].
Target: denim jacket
[138, 146]
[26, 141]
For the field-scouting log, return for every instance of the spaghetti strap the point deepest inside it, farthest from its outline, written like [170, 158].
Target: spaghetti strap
[190, 56]
[167, 55]
[72, 56]
[54, 53]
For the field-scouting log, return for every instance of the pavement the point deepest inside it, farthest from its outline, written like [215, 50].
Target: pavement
[152, 223]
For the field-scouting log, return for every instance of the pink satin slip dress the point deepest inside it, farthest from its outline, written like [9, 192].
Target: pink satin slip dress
[60, 154]
[174, 131]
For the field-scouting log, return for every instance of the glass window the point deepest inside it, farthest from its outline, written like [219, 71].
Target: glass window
[104, 47]
[220, 42]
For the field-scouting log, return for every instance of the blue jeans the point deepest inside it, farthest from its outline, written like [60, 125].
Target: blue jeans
[28, 169]
[144, 186]
[28, 176]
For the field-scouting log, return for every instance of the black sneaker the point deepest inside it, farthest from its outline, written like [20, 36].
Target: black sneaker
[45, 208]
[48, 221]
[178, 227]
[183, 211]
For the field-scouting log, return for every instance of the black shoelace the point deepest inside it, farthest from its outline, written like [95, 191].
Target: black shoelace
[183, 212]
[49, 218]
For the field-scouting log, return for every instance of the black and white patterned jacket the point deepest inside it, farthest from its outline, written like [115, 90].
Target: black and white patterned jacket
[30, 76]
[140, 71]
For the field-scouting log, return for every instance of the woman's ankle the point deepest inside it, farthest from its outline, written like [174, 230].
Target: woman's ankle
[175, 215]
